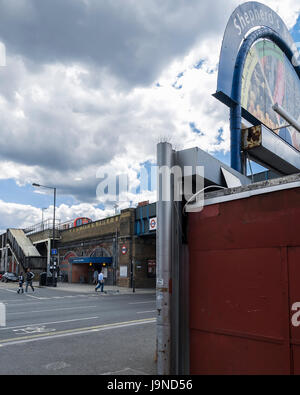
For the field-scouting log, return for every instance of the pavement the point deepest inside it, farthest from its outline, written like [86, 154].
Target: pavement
[88, 288]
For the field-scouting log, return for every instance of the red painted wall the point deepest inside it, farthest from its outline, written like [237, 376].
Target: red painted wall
[244, 280]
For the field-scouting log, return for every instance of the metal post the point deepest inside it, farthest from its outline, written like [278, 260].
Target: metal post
[235, 141]
[2, 252]
[6, 252]
[53, 244]
[48, 256]
[164, 259]
[53, 235]
[115, 251]
[6, 258]
[133, 275]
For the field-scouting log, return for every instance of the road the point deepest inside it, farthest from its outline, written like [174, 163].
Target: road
[52, 331]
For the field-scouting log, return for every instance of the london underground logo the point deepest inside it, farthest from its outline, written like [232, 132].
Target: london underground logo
[124, 250]
[153, 224]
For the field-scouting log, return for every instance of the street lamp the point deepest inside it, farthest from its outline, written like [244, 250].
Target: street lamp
[53, 229]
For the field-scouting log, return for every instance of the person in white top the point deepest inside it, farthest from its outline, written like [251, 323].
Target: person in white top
[100, 282]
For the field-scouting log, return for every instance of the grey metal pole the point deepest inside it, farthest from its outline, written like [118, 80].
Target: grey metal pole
[48, 259]
[53, 235]
[115, 263]
[6, 253]
[2, 252]
[164, 260]
[6, 260]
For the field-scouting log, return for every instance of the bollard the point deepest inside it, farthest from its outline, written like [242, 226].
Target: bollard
[2, 315]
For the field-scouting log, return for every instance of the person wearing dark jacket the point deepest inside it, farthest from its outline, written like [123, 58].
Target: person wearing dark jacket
[29, 278]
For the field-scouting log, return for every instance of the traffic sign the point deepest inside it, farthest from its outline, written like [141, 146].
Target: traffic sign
[54, 251]
[153, 224]
[124, 250]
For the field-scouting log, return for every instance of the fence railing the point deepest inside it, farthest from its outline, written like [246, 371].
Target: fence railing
[42, 226]
[48, 225]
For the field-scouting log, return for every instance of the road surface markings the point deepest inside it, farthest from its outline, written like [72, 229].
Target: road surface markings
[48, 323]
[57, 365]
[44, 311]
[56, 297]
[34, 297]
[125, 371]
[72, 332]
[34, 329]
[15, 302]
[23, 304]
[150, 301]
[10, 290]
[144, 312]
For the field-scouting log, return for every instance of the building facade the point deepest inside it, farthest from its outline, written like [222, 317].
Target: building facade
[127, 259]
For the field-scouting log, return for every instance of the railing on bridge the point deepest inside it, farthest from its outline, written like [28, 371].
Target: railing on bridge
[48, 225]
[42, 226]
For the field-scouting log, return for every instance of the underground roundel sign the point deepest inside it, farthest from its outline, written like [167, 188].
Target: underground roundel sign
[153, 224]
[124, 250]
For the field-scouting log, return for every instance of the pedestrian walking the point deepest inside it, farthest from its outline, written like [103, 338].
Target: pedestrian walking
[29, 278]
[95, 278]
[21, 282]
[100, 282]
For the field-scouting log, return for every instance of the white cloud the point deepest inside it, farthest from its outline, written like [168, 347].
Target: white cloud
[288, 10]
[22, 216]
[73, 103]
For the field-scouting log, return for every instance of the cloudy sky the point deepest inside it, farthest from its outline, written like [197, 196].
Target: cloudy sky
[91, 86]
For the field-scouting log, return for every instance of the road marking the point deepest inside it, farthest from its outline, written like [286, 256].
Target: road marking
[23, 304]
[55, 297]
[48, 323]
[72, 332]
[43, 311]
[150, 301]
[34, 297]
[57, 365]
[15, 302]
[34, 329]
[144, 312]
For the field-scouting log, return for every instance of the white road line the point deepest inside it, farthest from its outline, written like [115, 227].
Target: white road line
[144, 312]
[48, 323]
[150, 301]
[9, 342]
[17, 301]
[34, 297]
[11, 290]
[23, 304]
[43, 311]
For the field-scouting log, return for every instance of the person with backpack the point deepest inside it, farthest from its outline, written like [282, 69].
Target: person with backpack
[21, 282]
[29, 278]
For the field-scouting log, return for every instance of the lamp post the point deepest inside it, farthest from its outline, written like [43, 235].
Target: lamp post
[53, 229]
